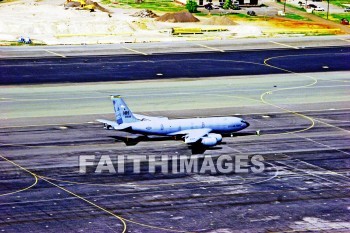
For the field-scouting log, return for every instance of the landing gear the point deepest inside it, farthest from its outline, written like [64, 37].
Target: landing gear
[106, 126]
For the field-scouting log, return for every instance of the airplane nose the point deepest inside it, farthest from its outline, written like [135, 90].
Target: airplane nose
[246, 123]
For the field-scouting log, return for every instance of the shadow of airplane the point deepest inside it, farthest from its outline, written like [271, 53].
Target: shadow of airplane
[197, 148]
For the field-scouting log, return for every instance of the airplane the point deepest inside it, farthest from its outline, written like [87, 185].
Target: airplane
[204, 132]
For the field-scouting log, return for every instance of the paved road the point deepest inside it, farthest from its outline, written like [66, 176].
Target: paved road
[163, 66]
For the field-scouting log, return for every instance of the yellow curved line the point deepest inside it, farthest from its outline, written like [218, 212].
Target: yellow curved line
[91, 203]
[24, 189]
[123, 220]
[37, 176]
[314, 81]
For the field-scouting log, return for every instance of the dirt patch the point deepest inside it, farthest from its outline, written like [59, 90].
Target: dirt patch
[72, 4]
[76, 4]
[145, 14]
[179, 17]
[294, 24]
[219, 20]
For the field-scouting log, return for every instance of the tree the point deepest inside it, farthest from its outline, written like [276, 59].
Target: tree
[191, 6]
[227, 5]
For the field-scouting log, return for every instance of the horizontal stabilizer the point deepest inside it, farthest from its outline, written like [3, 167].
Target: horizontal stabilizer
[114, 124]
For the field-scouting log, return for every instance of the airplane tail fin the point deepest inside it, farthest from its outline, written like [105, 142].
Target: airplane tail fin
[122, 112]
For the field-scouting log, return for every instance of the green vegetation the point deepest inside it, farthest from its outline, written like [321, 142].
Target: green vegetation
[228, 4]
[241, 15]
[333, 17]
[296, 17]
[191, 6]
[293, 6]
[15, 43]
[206, 14]
[233, 15]
[340, 3]
[154, 5]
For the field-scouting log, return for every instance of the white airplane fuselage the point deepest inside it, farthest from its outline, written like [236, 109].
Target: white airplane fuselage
[167, 127]
[195, 131]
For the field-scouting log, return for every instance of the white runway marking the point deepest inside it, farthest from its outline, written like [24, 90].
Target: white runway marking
[308, 172]
[135, 51]
[57, 54]
[322, 144]
[211, 48]
[285, 45]
[347, 40]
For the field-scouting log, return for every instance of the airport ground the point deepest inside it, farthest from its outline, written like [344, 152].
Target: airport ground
[303, 118]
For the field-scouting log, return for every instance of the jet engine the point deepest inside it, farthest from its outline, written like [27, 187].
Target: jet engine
[212, 139]
[217, 136]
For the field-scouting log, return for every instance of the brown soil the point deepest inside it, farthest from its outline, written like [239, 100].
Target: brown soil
[179, 17]
[145, 14]
[88, 2]
[293, 24]
[220, 20]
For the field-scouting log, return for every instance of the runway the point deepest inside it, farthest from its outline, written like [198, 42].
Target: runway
[204, 62]
[304, 122]
[306, 177]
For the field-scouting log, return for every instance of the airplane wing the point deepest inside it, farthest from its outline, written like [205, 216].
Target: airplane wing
[114, 124]
[149, 118]
[193, 135]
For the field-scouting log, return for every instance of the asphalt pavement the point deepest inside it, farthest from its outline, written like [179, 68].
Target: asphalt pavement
[303, 120]
[163, 66]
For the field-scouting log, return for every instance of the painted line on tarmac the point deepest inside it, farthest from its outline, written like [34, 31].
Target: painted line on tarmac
[347, 40]
[285, 45]
[12, 100]
[135, 51]
[326, 170]
[331, 125]
[121, 219]
[57, 54]
[23, 189]
[310, 173]
[211, 48]
[313, 83]
[252, 113]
